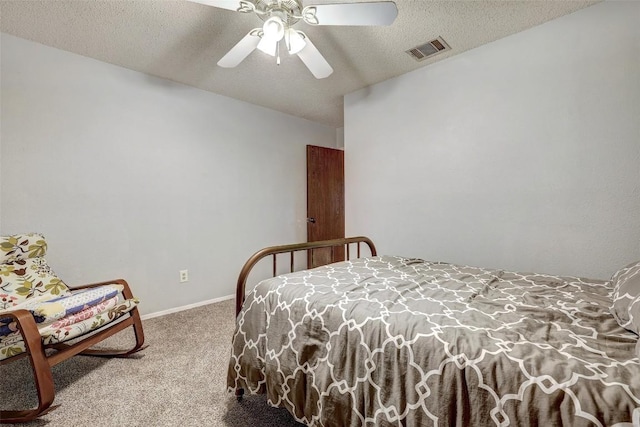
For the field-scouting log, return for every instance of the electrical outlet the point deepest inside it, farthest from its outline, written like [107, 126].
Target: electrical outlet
[184, 276]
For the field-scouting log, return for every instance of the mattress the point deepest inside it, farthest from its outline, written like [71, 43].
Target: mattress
[400, 341]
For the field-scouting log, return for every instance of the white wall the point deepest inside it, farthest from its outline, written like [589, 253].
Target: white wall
[340, 138]
[132, 176]
[522, 154]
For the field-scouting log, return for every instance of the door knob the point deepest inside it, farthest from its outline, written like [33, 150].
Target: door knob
[312, 220]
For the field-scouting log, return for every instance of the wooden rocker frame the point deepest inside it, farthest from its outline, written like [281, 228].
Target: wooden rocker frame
[41, 364]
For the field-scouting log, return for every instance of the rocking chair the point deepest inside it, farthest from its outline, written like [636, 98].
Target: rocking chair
[43, 319]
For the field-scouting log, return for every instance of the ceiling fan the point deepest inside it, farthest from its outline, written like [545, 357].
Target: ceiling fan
[280, 16]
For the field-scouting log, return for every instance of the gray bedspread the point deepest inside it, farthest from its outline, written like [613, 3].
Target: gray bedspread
[396, 341]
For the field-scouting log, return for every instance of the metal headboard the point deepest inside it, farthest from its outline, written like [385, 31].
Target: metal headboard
[291, 249]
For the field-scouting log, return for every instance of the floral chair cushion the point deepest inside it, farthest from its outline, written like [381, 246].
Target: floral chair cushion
[22, 246]
[24, 273]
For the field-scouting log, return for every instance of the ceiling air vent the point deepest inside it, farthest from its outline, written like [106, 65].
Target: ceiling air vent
[427, 50]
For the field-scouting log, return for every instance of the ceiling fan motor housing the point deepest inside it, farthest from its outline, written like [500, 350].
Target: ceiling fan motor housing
[287, 10]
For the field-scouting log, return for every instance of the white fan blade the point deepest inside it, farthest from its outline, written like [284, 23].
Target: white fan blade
[268, 46]
[237, 5]
[371, 13]
[240, 51]
[314, 60]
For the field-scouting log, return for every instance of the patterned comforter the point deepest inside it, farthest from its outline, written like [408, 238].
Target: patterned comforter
[395, 341]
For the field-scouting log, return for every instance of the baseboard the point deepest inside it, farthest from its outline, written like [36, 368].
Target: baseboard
[186, 307]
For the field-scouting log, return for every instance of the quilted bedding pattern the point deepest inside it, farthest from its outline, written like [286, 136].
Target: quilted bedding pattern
[71, 326]
[53, 309]
[397, 341]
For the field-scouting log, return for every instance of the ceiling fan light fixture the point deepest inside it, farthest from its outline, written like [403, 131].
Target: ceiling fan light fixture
[273, 29]
[268, 46]
[295, 41]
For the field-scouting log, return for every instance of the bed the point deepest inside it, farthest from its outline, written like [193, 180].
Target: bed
[389, 340]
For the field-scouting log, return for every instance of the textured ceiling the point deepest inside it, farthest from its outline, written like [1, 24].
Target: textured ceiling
[182, 41]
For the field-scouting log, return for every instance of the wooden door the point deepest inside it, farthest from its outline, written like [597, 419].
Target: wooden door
[325, 202]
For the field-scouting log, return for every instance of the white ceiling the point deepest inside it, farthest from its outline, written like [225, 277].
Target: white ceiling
[182, 41]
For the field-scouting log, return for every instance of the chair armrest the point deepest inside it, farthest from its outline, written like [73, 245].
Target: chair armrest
[126, 291]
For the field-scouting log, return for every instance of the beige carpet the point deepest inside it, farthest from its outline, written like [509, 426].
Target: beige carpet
[179, 380]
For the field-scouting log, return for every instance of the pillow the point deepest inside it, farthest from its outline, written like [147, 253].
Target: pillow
[626, 297]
